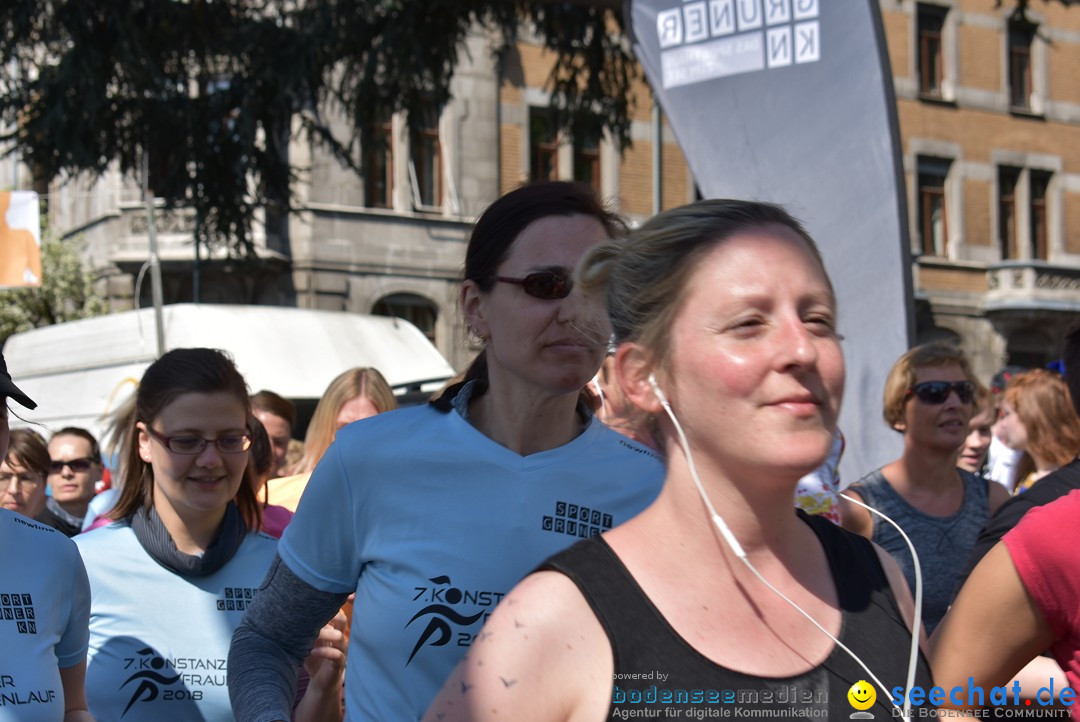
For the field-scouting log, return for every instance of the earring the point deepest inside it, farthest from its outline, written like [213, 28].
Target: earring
[473, 332]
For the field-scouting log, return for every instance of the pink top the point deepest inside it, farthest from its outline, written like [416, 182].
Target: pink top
[275, 519]
[1045, 548]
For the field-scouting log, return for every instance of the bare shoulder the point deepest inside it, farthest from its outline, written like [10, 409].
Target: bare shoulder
[542, 655]
[853, 517]
[992, 629]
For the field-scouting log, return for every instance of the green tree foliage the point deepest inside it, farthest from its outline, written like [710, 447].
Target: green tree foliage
[66, 292]
[211, 90]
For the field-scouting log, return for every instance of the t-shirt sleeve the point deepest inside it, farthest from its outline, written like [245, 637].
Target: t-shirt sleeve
[1043, 549]
[1003, 520]
[73, 644]
[321, 545]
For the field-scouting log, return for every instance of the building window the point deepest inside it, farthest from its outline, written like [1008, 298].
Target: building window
[930, 26]
[379, 163]
[543, 145]
[1038, 182]
[1008, 180]
[1021, 34]
[426, 157]
[417, 310]
[587, 161]
[933, 226]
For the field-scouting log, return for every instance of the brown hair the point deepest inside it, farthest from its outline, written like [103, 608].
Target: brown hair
[277, 405]
[902, 376]
[30, 451]
[180, 371]
[1044, 406]
[321, 431]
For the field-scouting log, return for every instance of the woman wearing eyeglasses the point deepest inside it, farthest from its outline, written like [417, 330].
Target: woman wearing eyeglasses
[172, 577]
[22, 476]
[929, 398]
[431, 514]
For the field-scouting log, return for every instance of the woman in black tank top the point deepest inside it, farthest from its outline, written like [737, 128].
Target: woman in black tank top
[726, 323]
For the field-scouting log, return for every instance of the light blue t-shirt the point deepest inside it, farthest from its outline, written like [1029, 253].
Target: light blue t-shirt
[159, 641]
[44, 607]
[431, 523]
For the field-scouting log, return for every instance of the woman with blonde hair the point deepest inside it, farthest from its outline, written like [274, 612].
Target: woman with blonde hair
[357, 394]
[930, 399]
[1037, 418]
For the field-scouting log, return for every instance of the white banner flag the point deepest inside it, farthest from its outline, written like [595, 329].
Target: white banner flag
[20, 239]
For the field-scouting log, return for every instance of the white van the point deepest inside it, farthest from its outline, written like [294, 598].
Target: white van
[80, 371]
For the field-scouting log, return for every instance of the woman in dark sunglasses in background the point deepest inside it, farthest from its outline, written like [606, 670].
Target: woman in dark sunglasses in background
[929, 398]
[431, 514]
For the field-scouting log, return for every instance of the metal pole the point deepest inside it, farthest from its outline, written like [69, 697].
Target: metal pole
[195, 272]
[155, 261]
[657, 159]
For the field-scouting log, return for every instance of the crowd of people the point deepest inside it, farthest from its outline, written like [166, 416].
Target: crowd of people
[632, 491]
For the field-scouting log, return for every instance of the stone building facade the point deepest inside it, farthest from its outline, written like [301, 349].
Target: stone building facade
[989, 114]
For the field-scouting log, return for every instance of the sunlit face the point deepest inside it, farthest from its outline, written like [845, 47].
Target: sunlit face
[940, 426]
[756, 373]
[190, 486]
[554, 346]
[356, 408]
[279, 431]
[71, 487]
[21, 489]
[977, 443]
[1010, 429]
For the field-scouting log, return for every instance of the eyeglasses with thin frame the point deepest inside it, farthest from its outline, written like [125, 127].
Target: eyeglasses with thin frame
[27, 480]
[191, 445]
[548, 285]
[77, 465]
[936, 392]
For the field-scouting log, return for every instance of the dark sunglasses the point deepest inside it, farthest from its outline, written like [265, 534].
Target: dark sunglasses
[936, 392]
[77, 465]
[549, 285]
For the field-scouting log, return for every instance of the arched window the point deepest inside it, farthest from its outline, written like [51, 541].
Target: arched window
[417, 310]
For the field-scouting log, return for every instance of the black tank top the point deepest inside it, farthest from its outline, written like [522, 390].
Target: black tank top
[655, 668]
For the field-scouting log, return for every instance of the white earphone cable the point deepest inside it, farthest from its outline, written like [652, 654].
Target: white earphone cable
[739, 552]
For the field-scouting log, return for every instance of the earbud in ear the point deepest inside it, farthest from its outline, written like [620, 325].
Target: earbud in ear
[657, 390]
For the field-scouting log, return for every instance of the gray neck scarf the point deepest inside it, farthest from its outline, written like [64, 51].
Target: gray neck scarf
[155, 539]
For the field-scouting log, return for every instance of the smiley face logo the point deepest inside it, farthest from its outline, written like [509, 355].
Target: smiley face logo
[862, 695]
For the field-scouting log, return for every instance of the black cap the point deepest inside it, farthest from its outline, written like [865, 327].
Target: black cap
[8, 387]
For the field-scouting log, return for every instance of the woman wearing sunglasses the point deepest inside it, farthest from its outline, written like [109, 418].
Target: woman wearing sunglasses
[431, 514]
[929, 398]
[172, 577]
